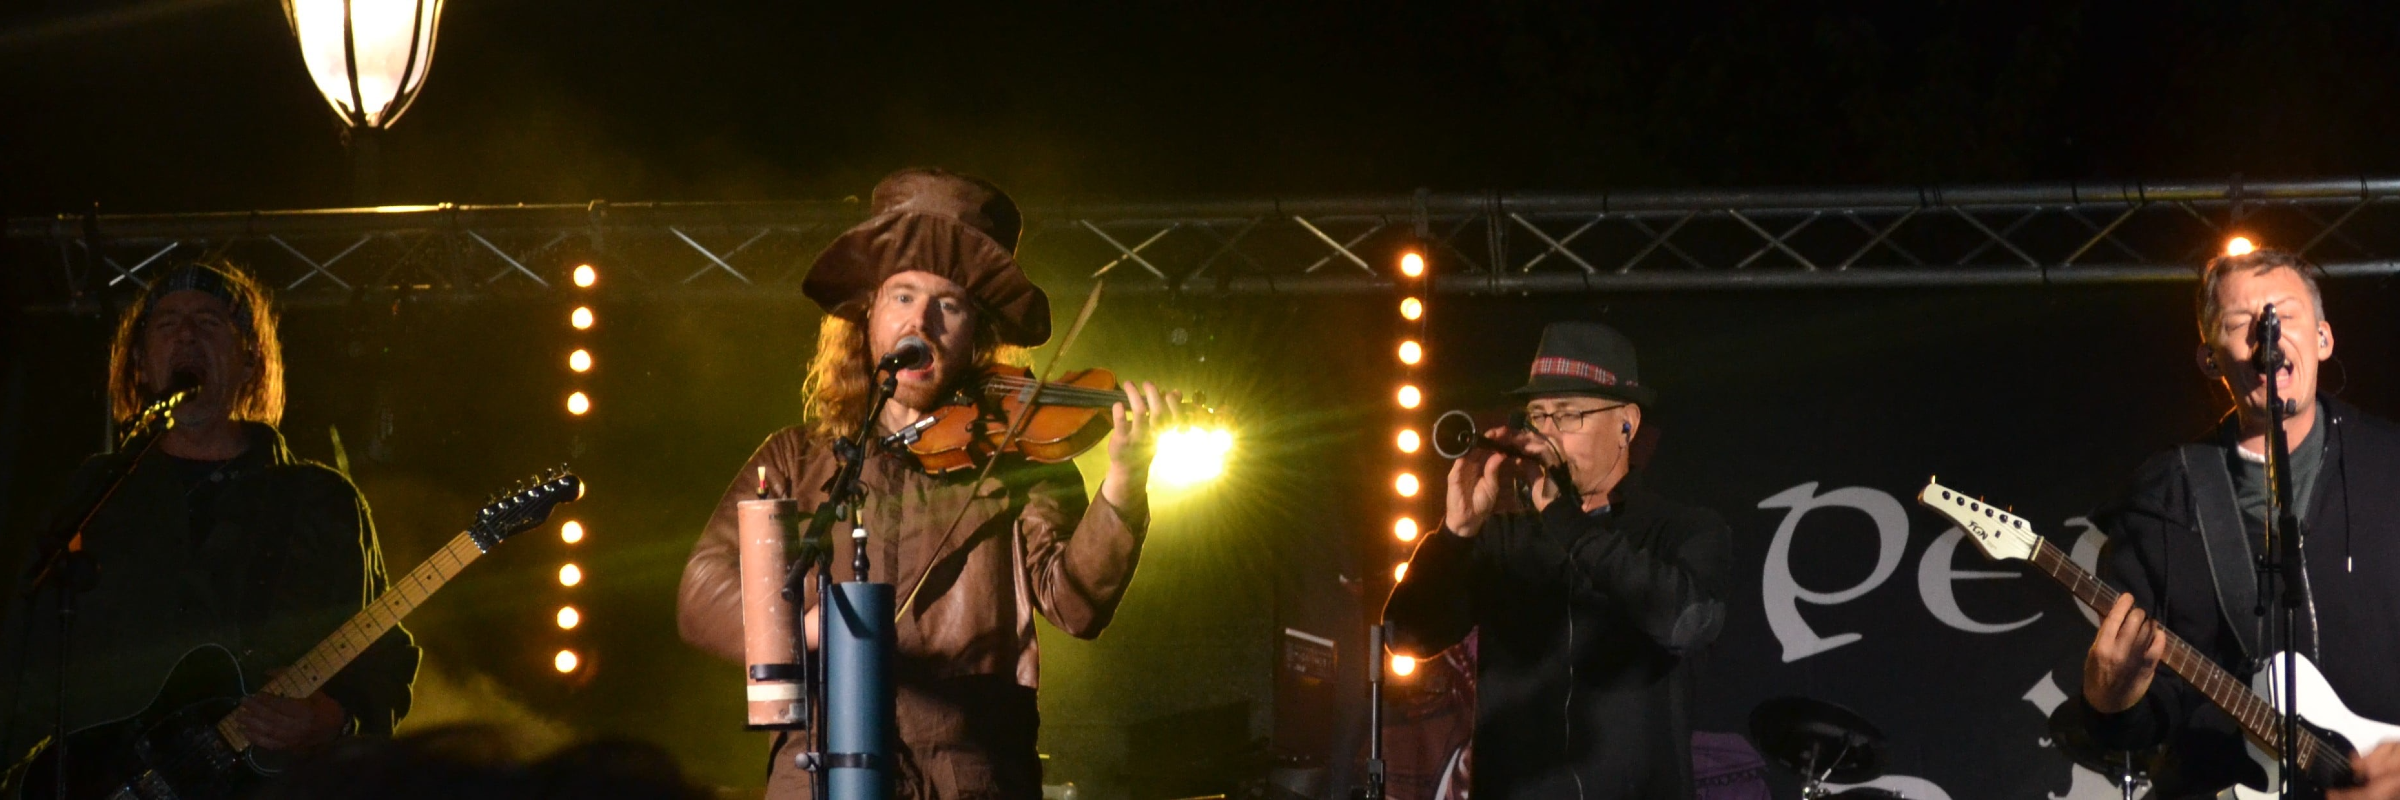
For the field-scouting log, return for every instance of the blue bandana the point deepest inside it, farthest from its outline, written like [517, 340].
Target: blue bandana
[204, 279]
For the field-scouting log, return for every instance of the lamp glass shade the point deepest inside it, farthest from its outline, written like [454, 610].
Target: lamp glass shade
[368, 57]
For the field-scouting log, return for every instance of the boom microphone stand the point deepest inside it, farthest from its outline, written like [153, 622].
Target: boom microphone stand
[2285, 559]
[851, 679]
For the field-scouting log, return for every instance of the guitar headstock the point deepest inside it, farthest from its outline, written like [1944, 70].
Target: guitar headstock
[524, 506]
[2002, 535]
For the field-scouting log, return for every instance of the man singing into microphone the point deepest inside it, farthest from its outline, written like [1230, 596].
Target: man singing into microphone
[2183, 534]
[218, 535]
[936, 264]
[1590, 603]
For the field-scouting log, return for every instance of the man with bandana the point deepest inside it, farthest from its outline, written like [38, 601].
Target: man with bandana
[217, 534]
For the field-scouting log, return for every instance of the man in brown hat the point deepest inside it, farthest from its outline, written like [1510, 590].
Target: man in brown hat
[936, 262]
[1590, 601]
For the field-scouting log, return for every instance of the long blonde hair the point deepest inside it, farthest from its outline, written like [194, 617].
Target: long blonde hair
[259, 400]
[839, 373]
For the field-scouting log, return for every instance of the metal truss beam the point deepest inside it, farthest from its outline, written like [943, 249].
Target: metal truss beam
[2030, 234]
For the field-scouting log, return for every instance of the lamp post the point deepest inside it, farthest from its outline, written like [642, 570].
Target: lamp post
[369, 59]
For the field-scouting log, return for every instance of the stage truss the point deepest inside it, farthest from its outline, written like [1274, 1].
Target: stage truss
[1489, 243]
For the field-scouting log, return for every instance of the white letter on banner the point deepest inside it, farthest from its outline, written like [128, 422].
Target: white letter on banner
[1782, 594]
[1934, 574]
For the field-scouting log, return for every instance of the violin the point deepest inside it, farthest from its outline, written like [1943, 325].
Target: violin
[1061, 420]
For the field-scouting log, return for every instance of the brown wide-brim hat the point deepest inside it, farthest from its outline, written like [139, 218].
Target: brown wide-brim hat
[946, 224]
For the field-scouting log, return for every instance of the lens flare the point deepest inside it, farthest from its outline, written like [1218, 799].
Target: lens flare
[571, 532]
[1403, 666]
[568, 618]
[2240, 246]
[585, 276]
[1405, 529]
[566, 661]
[581, 319]
[1190, 456]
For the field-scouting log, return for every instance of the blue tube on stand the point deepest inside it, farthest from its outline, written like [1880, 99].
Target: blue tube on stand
[858, 704]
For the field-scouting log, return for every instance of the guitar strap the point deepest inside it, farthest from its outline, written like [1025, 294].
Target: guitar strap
[2226, 541]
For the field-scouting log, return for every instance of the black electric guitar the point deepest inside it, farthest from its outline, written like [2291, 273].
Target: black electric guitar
[188, 744]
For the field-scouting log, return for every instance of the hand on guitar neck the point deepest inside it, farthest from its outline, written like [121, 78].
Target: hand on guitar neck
[2124, 657]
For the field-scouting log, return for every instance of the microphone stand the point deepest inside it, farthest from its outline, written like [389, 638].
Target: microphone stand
[1376, 635]
[67, 569]
[845, 498]
[2285, 560]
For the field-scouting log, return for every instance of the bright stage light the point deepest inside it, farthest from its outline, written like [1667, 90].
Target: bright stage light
[566, 661]
[2240, 246]
[1403, 666]
[367, 59]
[1400, 572]
[580, 360]
[1405, 529]
[1188, 456]
[571, 532]
[581, 319]
[585, 276]
[1411, 352]
[1411, 309]
[577, 404]
[1412, 265]
[1410, 397]
[568, 618]
[1409, 441]
[1406, 484]
[570, 575]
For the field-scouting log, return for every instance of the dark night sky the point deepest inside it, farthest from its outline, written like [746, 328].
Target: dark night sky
[202, 104]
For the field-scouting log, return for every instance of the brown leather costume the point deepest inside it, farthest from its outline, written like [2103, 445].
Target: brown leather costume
[967, 658]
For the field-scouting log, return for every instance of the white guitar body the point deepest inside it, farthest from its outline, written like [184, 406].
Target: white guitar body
[2319, 706]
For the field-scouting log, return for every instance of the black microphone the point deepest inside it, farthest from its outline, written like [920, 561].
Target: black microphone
[1454, 436]
[2266, 336]
[910, 353]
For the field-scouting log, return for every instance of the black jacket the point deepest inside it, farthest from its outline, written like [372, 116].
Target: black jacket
[1582, 684]
[2353, 544]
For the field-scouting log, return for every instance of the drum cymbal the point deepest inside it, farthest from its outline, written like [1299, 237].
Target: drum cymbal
[2076, 744]
[1818, 740]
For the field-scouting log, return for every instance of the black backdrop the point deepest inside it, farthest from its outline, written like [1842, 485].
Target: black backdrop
[2043, 398]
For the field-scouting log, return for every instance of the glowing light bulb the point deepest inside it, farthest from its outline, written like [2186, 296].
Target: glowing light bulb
[1411, 309]
[1409, 441]
[570, 575]
[2240, 246]
[1410, 397]
[566, 661]
[580, 360]
[581, 319]
[568, 618]
[585, 276]
[1411, 352]
[1405, 528]
[1403, 666]
[1400, 572]
[1406, 484]
[577, 404]
[571, 532]
[1412, 265]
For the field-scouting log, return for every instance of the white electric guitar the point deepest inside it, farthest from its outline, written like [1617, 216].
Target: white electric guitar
[2329, 734]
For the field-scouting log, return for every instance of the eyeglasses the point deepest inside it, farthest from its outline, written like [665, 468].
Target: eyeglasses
[1567, 421]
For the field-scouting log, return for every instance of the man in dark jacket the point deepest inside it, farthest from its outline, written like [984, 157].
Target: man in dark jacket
[217, 535]
[2346, 491]
[1589, 603]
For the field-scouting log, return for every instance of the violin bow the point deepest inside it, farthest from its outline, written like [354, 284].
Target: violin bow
[1091, 302]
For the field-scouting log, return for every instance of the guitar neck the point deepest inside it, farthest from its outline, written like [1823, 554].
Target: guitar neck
[2259, 719]
[322, 662]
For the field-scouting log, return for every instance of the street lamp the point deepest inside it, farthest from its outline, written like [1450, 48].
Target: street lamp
[369, 59]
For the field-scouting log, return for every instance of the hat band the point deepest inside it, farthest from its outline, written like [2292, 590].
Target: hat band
[1571, 368]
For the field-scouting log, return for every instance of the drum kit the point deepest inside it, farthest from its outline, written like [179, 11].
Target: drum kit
[1828, 745]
